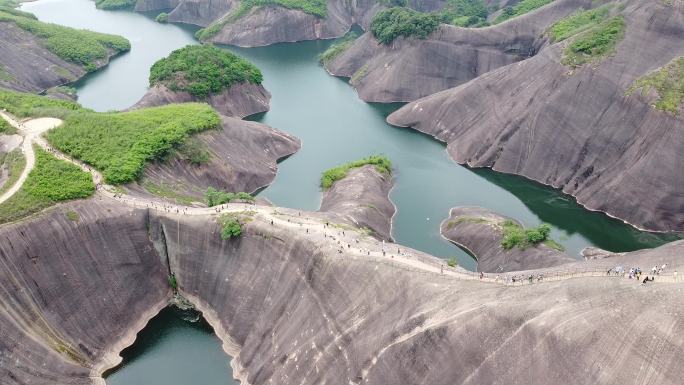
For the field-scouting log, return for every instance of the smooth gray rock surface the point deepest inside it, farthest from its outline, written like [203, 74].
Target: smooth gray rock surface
[479, 231]
[362, 198]
[575, 130]
[408, 69]
[75, 293]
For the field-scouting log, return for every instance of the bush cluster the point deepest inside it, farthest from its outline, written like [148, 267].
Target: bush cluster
[523, 7]
[515, 236]
[114, 4]
[391, 23]
[24, 105]
[465, 13]
[203, 70]
[77, 46]
[230, 226]
[578, 22]
[381, 163]
[120, 143]
[595, 43]
[337, 48]
[215, 197]
[162, 18]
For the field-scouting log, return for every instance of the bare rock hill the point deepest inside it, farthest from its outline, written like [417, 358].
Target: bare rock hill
[408, 69]
[362, 198]
[479, 230]
[75, 294]
[576, 130]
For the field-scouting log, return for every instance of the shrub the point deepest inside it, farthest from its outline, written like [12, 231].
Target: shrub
[114, 4]
[162, 17]
[668, 82]
[464, 13]
[214, 197]
[338, 48]
[578, 22]
[515, 236]
[391, 23]
[120, 143]
[452, 262]
[230, 226]
[381, 163]
[77, 46]
[73, 216]
[595, 43]
[203, 70]
[523, 7]
[194, 151]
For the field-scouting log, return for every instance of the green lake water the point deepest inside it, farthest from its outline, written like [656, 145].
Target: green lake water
[335, 126]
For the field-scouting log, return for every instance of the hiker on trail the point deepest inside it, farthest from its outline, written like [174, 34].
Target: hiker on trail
[481, 275]
[441, 269]
[654, 269]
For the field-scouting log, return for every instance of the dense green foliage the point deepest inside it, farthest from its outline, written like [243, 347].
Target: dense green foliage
[452, 262]
[230, 226]
[595, 43]
[24, 105]
[119, 143]
[338, 47]
[52, 180]
[391, 23]
[114, 4]
[381, 163]
[14, 161]
[162, 18]
[213, 197]
[578, 22]
[77, 46]
[465, 13]
[203, 70]
[515, 236]
[523, 7]
[668, 82]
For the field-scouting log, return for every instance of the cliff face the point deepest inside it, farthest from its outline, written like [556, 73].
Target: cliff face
[243, 157]
[362, 198]
[575, 130]
[240, 100]
[293, 313]
[408, 69]
[479, 231]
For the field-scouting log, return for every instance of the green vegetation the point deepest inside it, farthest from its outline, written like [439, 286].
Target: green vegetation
[29, 105]
[168, 191]
[15, 162]
[515, 236]
[77, 46]
[114, 4]
[173, 282]
[452, 262]
[162, 18]
[230, 226]
[523, 7]
[578, 22]
[391, 23]
[73, 216]
[668, 82]
[52, 180]
[119, 143]
[465, 219]
[193, 151]
[359, 74]
[203, 70]
[465, 13]
[338, 47]
[5, 75]
[65, 90]
[213, 197]
[6, 128]
[381, 163]
[595, 43]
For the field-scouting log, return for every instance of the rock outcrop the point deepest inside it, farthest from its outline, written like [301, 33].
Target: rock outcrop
[480, 231]
[575, 129]
[243, 157]
[290, 312]
[408, 69]
[362, 198]
[240, 100]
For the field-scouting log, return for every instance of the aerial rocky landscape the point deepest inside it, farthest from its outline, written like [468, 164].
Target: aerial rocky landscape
[118, 215]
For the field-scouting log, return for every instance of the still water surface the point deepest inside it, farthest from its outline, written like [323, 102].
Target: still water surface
[335, 126]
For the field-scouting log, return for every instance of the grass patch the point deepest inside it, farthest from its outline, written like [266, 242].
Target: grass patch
[193, 151]
[359, 74]
[163, 190]
[381, 163]
[595, 43]
[81, 47]
[554, 245]
[4, 75]
[230, 226]
[24, 105]
[6, 128]
[466, 219]
[340, 46]
[668, 82]
[523, 7]
[515, 236]
[120, 143]
[578, 22]
[114, 4]
[213, 197]
[391, 23]
[51, 181]
[73, 216]
[15, 163]
[203, 70]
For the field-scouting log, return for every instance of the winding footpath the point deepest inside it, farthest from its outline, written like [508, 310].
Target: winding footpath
[333, 240]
